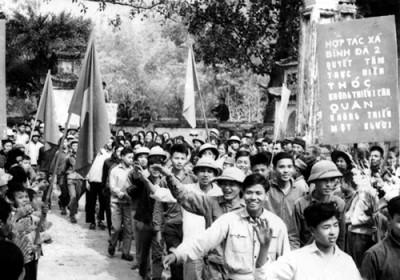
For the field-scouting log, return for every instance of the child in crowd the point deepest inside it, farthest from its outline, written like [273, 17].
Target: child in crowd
[25, 228]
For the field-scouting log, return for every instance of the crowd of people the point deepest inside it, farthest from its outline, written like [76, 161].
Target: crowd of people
[209, 208]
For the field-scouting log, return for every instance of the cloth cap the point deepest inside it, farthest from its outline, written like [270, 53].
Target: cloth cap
[35, 133]
[324, 169]
[142, 150]
[299, 142]
[200, 139]
[233, 139]
[207, 162]
[215, 131]
[70, 137]
[209, 147]
[232, 174]
[157, 151]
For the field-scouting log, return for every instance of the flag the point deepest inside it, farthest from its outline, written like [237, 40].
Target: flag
[46, 114]
[88, 102]
[191, 87]
[282, 109]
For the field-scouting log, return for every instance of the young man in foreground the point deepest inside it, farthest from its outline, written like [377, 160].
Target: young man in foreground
[322, 259]
[235, 232]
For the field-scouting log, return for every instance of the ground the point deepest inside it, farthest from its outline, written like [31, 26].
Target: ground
[79, 253]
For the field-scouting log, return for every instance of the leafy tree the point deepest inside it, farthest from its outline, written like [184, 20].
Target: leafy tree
[237, 33]
[33, 42]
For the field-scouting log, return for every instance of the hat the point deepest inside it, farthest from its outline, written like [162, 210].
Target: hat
[208, 146]
[215, 131]
[70, 137]
[233, 138]
[142, 150]
[337, 154]
[194, 133]
[232, 174]
[35, 133]
[156, 151]
[200, 139]
[207, 162]
[324, 169]
[299, 142]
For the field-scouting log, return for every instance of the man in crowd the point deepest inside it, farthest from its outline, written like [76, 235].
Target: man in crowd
[21, 137]
[284, 193]
[121, 205]
[221, 112]
[323, 176]
[299, 146]
[32, 149]
[96, 187]
[376, 156]
[322, 259]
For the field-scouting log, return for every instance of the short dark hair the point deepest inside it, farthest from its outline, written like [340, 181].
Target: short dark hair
[13, 190]
[320, 212]
[281, 155]
[256, 179]
[179, 148]
[126, 151]
[394, 206]
[11, 260]
[242, 153]
[261, 158]
[376, 148]
[5, 210]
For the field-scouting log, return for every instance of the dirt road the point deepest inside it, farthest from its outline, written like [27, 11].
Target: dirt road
[78, 253]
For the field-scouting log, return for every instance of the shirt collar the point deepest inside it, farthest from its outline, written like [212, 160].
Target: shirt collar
[314, 200]
[314, 249]
[245, 214]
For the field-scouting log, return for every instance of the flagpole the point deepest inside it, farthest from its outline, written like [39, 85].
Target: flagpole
[204, 113]
[52, 181]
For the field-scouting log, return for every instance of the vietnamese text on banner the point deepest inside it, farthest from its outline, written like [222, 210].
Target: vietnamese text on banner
[357, 65]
